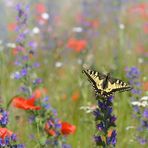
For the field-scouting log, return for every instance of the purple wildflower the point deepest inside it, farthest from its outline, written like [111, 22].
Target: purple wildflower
[16, 75]
[3, 118]
[96, 113]
[7, 140]
[47, 106]
[145, 113]
[133, 74]
[45, 99]
[66, 146]
[31, 119]
[112, 120]
[25, 58]
[104, 120]
[144, 124]
[13, 137]
[2, 144]
[37, 81]
[112, 138]
[36, 65]
[32, 44]
[98, 140]
[19, 146]
[29, 82]
[142, 141]
[100, 126]
[24, 72]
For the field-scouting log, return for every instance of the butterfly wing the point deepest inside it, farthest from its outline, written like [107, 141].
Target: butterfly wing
[112, 85]
[96, 79]
[117, 85]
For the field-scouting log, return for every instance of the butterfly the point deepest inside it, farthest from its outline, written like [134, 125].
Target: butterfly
[104, 85]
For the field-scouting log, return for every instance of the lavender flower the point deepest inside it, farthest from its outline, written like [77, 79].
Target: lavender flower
[140, 112]
[7, 138]
[104, 121]
[133, 74]
[3, 117]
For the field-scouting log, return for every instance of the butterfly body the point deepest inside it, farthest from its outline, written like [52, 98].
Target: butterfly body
[105, 85]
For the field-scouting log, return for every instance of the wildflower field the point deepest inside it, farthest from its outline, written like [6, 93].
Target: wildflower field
[45, 99]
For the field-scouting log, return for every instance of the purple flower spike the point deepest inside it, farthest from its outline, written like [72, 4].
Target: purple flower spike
[6, 140]
[104, 120]
[4, 118]
[133, 74]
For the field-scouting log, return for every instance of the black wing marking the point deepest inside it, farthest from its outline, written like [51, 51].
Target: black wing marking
[118, 85]
[97, 79]
[92, 78]
[112, 85]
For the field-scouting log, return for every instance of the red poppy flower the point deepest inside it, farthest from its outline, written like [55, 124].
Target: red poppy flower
[145, 86]
[75, 96]
[140, 9]
[39, 92]
[11, 26]
[20, 102]
[67, 128]
[4, 132]
[40, 8]
[77, 45]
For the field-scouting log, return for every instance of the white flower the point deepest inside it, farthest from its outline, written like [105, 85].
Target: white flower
[11, 45]
[135, 103]
[121, 26]
[140, 60]
[88, 109]
[35, 30]
[77, 29]
[140, 103]
[45, 16]
[58, 64]
[144, 98]
[129, 127]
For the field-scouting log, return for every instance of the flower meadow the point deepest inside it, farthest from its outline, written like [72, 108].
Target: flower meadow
[45, 100]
